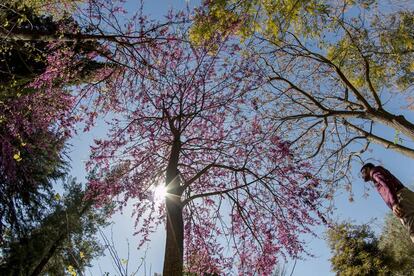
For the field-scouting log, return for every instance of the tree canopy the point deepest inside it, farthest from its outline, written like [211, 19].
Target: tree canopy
[333, 70]
[243, 115]
[64, 237]
[187, 119]
[357, 250]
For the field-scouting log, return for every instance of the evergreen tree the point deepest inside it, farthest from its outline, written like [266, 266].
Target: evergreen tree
[31, 144]
[64, 240]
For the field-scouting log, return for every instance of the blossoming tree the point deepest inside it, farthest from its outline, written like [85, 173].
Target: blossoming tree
[188, 120]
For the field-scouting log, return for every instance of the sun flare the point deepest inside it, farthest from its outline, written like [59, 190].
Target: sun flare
[160, 192]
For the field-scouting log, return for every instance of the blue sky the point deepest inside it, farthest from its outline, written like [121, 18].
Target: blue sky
[362, 210]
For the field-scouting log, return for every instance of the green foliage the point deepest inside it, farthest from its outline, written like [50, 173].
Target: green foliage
[268, 17]
[396, 243]
[24, 199]
[386, 46]
[64, 238]
[55, 7]
[355, 251]
[353, 34]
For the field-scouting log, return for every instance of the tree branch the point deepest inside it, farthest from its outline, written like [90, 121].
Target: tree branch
[197, 176]
[383, 142]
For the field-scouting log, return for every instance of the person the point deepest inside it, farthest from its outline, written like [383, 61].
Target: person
[398, 198]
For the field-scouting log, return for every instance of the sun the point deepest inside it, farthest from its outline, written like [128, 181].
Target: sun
[160, 192]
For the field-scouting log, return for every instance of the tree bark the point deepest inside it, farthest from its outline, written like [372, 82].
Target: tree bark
[409, 152]
[397, 122]
[173, 258]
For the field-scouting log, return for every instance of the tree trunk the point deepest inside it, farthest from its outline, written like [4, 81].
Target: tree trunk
[173, 258]
[58, 242]
[43, 262]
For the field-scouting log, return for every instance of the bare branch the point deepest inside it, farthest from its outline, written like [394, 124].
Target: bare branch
[383, 142]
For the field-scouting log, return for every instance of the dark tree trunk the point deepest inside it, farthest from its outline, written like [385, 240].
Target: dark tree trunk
[173, 258]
